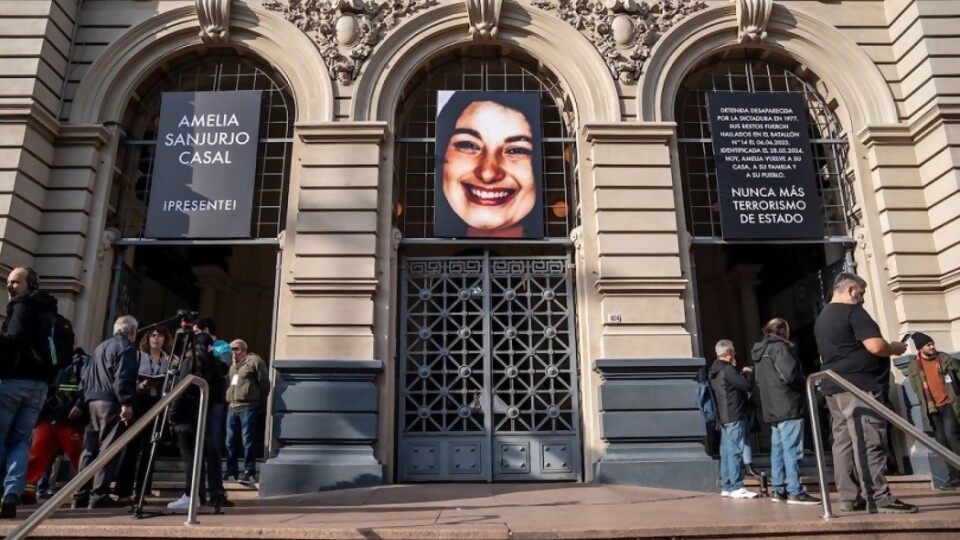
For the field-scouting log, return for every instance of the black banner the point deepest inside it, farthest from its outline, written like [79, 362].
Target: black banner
[765, 175]
[205, 165]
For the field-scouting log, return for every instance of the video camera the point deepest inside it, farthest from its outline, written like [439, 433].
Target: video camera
[187, 316]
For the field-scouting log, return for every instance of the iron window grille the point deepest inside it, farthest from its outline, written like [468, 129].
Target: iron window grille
[828, 142]
[416, 136]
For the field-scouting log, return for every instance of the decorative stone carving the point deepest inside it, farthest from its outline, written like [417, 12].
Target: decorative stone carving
[484, 17]
[752, 19]
[346, 30]
[108, 238]
[623, 31]
[214, 16]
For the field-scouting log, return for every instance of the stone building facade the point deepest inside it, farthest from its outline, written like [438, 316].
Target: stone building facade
[342, 260]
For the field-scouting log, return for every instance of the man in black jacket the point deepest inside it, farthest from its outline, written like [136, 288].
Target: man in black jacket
[781, 393]
[24, 376]
[110, 389]
[730, 389]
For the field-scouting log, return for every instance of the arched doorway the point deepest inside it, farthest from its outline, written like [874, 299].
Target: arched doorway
[487, 371]
[233, 281]
[739, 285]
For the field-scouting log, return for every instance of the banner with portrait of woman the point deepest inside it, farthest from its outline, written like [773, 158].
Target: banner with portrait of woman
[489, 160]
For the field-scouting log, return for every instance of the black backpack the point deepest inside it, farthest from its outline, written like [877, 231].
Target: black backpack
[56, 352]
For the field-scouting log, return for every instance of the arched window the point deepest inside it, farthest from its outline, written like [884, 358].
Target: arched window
[749, 71]
[489, 70]
[213, 70]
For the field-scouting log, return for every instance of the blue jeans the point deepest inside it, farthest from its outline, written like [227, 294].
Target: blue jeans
[786, 451]
[20, 403]
[243, 421]
[731, 452]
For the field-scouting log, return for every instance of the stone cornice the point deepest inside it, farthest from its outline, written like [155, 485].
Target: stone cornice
[334, 132]
[333, 287]
[96, 135]
[30, 113]
[925, 284]
[61, 286]
[641, 286]
[908, 133]
[623, 132]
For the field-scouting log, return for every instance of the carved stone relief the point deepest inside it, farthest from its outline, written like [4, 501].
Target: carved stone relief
[214, 16]
[623, 31]
[484, 17]
[346, 30]
[752, 19]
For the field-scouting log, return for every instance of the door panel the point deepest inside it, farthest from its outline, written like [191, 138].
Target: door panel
[489, 374]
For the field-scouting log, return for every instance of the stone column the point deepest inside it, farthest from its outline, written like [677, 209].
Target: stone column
[633, 308]
[325, 400]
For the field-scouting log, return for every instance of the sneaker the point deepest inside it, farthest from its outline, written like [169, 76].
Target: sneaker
[898, 507]
[802, 498]
[228, 476]
[44, 494]
[725, 493]
[748, 470]
[221, 502]
[950, 484]
[859, 505]
[778, 496]
[8, 506]
[80, 502]
[183, 503]
[248, 479]
[743, 493]
[103, 501]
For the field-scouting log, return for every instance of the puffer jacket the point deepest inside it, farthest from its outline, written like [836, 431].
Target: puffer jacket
[948, 366]
[779, 377]
[730, 388]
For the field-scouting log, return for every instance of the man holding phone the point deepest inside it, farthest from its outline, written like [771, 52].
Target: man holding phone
[851, 345]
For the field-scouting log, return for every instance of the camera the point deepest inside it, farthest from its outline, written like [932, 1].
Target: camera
[188, 316]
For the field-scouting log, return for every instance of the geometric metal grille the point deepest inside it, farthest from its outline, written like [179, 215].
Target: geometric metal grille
[828, 142]
[218, 70]
[489, 375]
[416, 138]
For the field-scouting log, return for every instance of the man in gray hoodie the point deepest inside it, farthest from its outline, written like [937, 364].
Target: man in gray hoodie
[781, 393]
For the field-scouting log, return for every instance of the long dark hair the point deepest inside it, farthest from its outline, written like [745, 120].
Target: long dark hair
[532, 223]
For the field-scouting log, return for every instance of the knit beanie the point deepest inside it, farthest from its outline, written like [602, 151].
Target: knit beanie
[920, 340]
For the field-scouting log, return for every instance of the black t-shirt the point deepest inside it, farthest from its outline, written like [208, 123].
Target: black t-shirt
[840, 331]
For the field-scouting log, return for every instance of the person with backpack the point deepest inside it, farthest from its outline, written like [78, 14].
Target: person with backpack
[781, 381]
[26, 369]
[730, 390]
[61, 424]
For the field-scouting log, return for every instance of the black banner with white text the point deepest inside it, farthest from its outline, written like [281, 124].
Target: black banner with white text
[765, 174]
[205, 165]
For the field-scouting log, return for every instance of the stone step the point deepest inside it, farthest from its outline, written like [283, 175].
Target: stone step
[811, 482]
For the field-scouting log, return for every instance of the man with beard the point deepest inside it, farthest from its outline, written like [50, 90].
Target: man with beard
[934, 376]
[851, 345]
[25, 373]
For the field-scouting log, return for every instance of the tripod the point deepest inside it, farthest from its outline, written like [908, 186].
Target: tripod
[182, 344]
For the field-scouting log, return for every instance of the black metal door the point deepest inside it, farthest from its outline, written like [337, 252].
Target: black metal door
[488, 377]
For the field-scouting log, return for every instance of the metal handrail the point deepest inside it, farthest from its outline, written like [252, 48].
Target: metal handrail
[878, 408]
[107, 454]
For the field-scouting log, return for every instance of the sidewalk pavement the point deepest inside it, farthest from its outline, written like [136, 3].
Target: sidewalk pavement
[512, 511]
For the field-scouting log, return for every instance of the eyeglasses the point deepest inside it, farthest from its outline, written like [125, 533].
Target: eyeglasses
[156, 335]
[235, 348]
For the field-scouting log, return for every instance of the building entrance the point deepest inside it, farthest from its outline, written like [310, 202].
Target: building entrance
[488, 378]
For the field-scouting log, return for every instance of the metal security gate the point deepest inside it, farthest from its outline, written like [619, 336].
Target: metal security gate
[488, 383]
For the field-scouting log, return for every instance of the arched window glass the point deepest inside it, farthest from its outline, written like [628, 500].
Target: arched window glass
[743, 71]
[480, 69]
[217, 70]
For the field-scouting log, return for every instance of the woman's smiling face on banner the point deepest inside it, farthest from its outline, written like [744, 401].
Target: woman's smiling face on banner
[488, 168]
